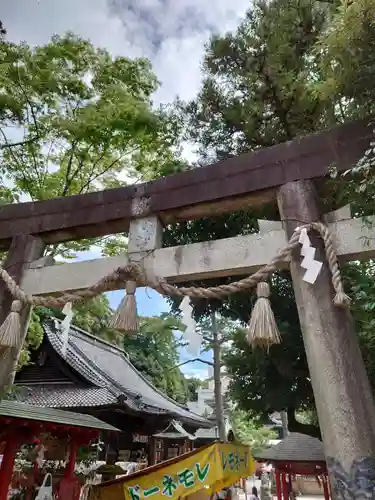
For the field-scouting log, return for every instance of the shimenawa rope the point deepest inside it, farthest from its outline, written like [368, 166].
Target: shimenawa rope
[132, 275]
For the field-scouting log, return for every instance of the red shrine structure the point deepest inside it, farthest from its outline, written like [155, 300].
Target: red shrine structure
[98, 378]
[296, 455]
[21, 424]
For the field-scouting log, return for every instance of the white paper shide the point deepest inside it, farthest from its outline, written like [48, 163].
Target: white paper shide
[309, 263]
[191, 335]
[65, 326]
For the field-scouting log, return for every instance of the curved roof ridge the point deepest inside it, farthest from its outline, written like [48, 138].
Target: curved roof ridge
[77, 335]
[121, 389]
[99, 340]
[128, 361]
[92, 375]
[56, 343]
[295, 447]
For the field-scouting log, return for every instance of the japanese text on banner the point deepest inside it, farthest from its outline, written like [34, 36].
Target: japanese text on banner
[213, 468]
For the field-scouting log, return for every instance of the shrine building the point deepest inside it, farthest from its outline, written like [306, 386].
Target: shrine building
[97, 378]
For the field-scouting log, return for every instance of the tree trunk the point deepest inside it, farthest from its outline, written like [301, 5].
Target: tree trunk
[284, 421]
[217, 379]
[296, 426]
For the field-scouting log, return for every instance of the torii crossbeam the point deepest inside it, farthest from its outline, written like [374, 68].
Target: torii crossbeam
[233, 184]
[284, 173]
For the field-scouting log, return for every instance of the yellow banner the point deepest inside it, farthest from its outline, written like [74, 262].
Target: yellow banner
[212, 467]
[176, 480]
[235, 462]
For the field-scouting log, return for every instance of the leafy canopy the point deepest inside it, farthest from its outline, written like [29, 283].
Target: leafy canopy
[250, 433]
[292, 67]
[73, 119]
[280, 75]
[154, 352]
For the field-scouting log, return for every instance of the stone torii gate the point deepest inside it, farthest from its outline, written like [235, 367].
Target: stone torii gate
[284, 173]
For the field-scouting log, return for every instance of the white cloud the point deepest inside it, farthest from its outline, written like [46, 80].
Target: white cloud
[171, 33]
[196, 372]
[34, 21]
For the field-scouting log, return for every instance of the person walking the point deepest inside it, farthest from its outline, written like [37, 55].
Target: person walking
[254, 493]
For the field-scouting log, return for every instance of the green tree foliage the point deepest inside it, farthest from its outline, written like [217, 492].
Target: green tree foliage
[263, 382]
[257, 92]
[249, 432]
[3, 31]
[292, 67]
[257, 89]
[33, 340]
[359, 282]
[73, 119]
[346, 49]
[154, 352]
[192, 386]
[278, 379]
[268, 82]
[92, 316]
[346, 52]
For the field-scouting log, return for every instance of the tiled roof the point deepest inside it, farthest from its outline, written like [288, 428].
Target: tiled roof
[169, 435]
[65, 396]
[295, 448]
[108, 368]
[24, 411]
[175, 431]
[212, 433]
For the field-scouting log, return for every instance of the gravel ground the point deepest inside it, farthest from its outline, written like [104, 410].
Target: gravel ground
[250, 483]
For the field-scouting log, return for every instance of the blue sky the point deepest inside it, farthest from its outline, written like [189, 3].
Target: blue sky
[171, 33]
[151, 303]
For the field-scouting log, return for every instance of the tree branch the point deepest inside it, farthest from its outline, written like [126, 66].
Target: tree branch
[20, 143]
[192, 361]
[90, 180]
[279, 108]
[68, 178]
[295, 426]
[17, 161]
[288, 371]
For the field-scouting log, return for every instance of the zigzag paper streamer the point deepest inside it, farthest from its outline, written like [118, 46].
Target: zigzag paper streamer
[193, 338]
[312, 266]
[65, 326]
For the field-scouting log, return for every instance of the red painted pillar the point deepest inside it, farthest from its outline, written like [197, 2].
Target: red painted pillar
[69, 470]
[6, 470]
[285, 486]
[278, 485]
[325, 487]
[290, 484]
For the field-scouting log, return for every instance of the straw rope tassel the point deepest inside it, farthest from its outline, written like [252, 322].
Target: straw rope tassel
[263, 331]
[10, 330]
[262, 323]
[126, 318]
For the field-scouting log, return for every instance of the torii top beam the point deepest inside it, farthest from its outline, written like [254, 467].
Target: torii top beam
[229, 185]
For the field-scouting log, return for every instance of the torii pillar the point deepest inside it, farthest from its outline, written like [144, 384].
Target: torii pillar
[341, 387]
